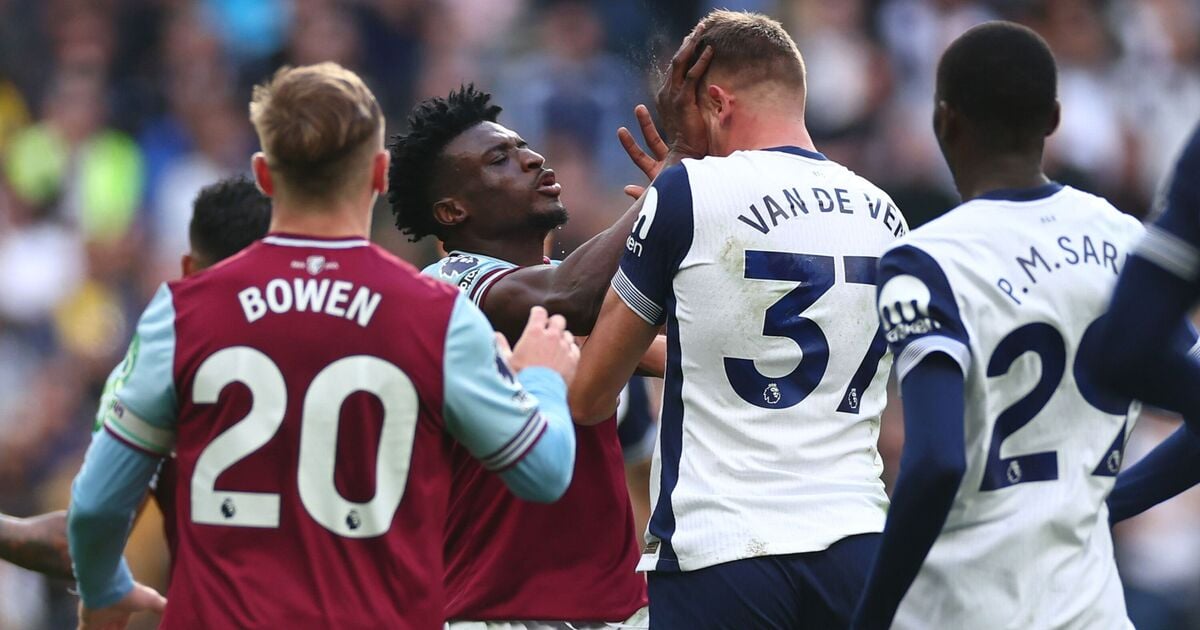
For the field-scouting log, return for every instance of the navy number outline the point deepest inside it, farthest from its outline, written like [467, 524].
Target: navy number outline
[1048, 344]
[814, 275]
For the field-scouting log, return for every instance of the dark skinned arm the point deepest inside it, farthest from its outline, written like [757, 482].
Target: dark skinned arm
[38, 543]
[620, 341]
[576, 288]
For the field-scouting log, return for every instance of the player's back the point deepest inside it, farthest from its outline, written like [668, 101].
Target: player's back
[312, 458]
[1011, 284]
[776, 374]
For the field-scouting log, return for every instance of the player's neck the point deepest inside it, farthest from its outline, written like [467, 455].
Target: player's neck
[768, 130]
[520, 251]
[347, 219]
[1004, 171]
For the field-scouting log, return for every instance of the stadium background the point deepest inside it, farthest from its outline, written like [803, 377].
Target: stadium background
[113, 113]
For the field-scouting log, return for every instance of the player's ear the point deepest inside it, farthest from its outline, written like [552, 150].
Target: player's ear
[262, 173]
[943, 121]
[379, 172]
[186, 265]
[718, 99]
[449, 212]
[1055, 118]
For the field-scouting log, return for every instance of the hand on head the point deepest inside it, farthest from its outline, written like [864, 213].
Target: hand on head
[677, 102]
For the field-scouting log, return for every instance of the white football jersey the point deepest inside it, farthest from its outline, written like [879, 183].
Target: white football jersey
[762, 265]
[1010, 285]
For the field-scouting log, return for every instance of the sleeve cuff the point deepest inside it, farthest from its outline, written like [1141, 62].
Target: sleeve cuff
[108, 594]
[925, 346]
[1169, 252]
[127, 427]
[637, 301]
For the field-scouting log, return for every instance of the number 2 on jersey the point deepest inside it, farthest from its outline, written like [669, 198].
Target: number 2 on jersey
[318, 441]
[784, 318]
[1047, 343]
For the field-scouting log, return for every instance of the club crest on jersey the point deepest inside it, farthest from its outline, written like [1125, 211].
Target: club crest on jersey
[314, 264]
[904, 308]
[458, 263]
[772, 395]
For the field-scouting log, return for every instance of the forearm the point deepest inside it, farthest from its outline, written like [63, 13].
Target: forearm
[608, 360]
[581, 281]
[931, 469]
[1169, 469]
[38, 544]
[104, 498]
[1146, 340]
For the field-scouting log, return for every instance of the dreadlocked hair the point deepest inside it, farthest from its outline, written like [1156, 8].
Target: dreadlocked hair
[432, 124]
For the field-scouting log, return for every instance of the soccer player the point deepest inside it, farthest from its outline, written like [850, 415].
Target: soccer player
[1142, 357]
[479, 188]
[1157, 289]
[307, 386]
[998, 516]
[226, 217]
[761, 260]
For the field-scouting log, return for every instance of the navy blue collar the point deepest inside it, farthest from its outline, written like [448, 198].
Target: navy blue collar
[1022, 194]
[812, 155]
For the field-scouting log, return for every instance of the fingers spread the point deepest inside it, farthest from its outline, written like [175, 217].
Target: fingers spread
[650, 133]
[698, 68]
[557, 324]
[640, 159]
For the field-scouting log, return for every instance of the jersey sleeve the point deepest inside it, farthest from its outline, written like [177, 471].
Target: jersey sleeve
[104, 499]
[474, 275]
[918, 311]
[143, 411]
[662, 236]
[1173, 242]
[517, 427]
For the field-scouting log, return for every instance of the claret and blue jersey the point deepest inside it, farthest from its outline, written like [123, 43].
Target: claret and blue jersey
[762, 266]
[526, 540]
[310, 436]
[1011, 286]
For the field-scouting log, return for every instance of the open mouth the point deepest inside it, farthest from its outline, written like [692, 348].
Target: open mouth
[548, 185]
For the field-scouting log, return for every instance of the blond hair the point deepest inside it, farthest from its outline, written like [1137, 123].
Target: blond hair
[752, 48]
[317, 126]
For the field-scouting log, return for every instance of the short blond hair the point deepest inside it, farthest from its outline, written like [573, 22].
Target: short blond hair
[753, 48]
[316, 124]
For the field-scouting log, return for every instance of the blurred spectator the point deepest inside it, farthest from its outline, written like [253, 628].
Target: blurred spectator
[572, 90]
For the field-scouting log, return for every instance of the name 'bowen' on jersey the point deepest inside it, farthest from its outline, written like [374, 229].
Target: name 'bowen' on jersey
[331, 297]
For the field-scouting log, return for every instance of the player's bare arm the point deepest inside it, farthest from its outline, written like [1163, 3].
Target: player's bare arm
[37, 543]
[613, 351]
[576, 288]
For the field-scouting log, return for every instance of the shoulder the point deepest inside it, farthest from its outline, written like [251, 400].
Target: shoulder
[1105, 210]
[406, 276]
[457, 265]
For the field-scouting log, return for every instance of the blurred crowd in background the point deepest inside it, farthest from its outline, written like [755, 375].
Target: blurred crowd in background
[113, 113]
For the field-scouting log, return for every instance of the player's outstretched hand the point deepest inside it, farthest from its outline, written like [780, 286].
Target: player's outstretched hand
[116, 617]
[546, 342]
[677, 101]
[649, 163]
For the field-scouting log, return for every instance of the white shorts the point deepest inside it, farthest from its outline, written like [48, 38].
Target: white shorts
[639, 619]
